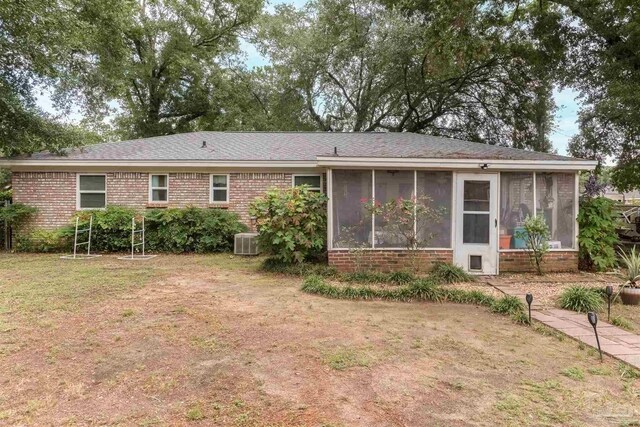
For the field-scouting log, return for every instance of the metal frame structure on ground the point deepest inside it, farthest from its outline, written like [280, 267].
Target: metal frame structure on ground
[76, 245]
[137, 241]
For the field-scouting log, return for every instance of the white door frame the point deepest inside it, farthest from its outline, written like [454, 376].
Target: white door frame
[463, 252]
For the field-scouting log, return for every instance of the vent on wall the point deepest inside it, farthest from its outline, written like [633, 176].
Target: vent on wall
[246, 244]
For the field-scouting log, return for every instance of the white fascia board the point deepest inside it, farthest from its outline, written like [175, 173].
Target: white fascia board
[448, 164]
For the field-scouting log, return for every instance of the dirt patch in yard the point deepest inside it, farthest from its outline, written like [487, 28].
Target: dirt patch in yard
[211, 341]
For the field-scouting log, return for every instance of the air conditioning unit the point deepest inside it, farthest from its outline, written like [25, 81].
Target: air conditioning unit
[246, 244]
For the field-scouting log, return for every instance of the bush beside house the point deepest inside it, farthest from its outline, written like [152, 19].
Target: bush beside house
[166, 230]
[292, 223]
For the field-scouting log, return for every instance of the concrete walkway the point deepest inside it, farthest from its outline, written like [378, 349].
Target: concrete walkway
[614, 341]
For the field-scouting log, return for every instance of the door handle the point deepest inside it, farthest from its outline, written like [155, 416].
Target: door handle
[496, 222]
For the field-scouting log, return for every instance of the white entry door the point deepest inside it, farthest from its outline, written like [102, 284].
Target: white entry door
[476, 222]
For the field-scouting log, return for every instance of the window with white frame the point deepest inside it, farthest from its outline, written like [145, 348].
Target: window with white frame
[159, 188]
[219, 188]
[92, 191]
[314, 181]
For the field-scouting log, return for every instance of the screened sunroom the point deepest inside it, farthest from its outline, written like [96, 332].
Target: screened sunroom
[480, 216]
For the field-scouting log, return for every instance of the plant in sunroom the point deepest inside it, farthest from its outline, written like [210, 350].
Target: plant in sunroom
[536, 234]
[406, 221]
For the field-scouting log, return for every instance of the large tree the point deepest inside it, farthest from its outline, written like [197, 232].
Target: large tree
[37, 39]
[600, 44]
[465, 69]
[163, 62]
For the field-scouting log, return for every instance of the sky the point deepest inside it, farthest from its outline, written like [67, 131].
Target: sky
[565, 118]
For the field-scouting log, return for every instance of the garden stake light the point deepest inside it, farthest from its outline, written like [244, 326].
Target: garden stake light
[529, 299]
[593, 319]
[609, 291]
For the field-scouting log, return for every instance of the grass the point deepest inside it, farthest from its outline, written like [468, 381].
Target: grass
[195, 413]
[581, 299]
[209, 340]
[574, 373]
[43, 284]
[621, 322]
[344, 358]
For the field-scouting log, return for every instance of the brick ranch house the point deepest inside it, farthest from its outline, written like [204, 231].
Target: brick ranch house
[483, 191]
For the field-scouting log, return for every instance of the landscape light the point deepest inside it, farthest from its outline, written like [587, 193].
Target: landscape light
[609, 291]
[529, 299]
[593, 319]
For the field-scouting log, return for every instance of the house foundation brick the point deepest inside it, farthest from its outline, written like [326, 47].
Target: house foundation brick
[387, 260]
[553, 262]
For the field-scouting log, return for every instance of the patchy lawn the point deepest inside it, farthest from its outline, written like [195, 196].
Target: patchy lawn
[547, 289]
[208, 340]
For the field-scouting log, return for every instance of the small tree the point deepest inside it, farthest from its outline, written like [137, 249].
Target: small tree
[292, 223]
[407, 220]
[536, 234]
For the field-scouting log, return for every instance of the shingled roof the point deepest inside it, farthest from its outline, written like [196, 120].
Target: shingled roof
[292, 146]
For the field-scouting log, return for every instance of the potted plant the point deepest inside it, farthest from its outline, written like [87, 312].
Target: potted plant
[630, 291]
[505, 238]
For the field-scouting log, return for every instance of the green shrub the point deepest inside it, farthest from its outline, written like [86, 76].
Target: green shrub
[6, 195]
[597, 236]
[581, 299]
[43, 241]
[449, 273]
[292, 223]
[16, 214]
[111, 230]
[166, 230]
[192, 230]
[508, 304]
[275, 265]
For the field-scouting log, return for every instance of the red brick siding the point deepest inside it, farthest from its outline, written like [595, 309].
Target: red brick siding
[555, 261]
[245, 187]
[127, 189]
[52, 193]
[387, 260]
[188, 189]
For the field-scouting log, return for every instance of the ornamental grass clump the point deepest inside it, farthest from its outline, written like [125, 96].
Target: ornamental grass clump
[581, 299]
[508, 304]
[445, 272]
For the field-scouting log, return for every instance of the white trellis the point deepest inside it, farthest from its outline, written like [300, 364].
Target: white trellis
[137, 242]
[81, 233]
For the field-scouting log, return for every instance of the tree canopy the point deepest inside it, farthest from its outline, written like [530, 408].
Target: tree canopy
[35, 47]
[445, 68]
[481, 70]
[599, 42]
